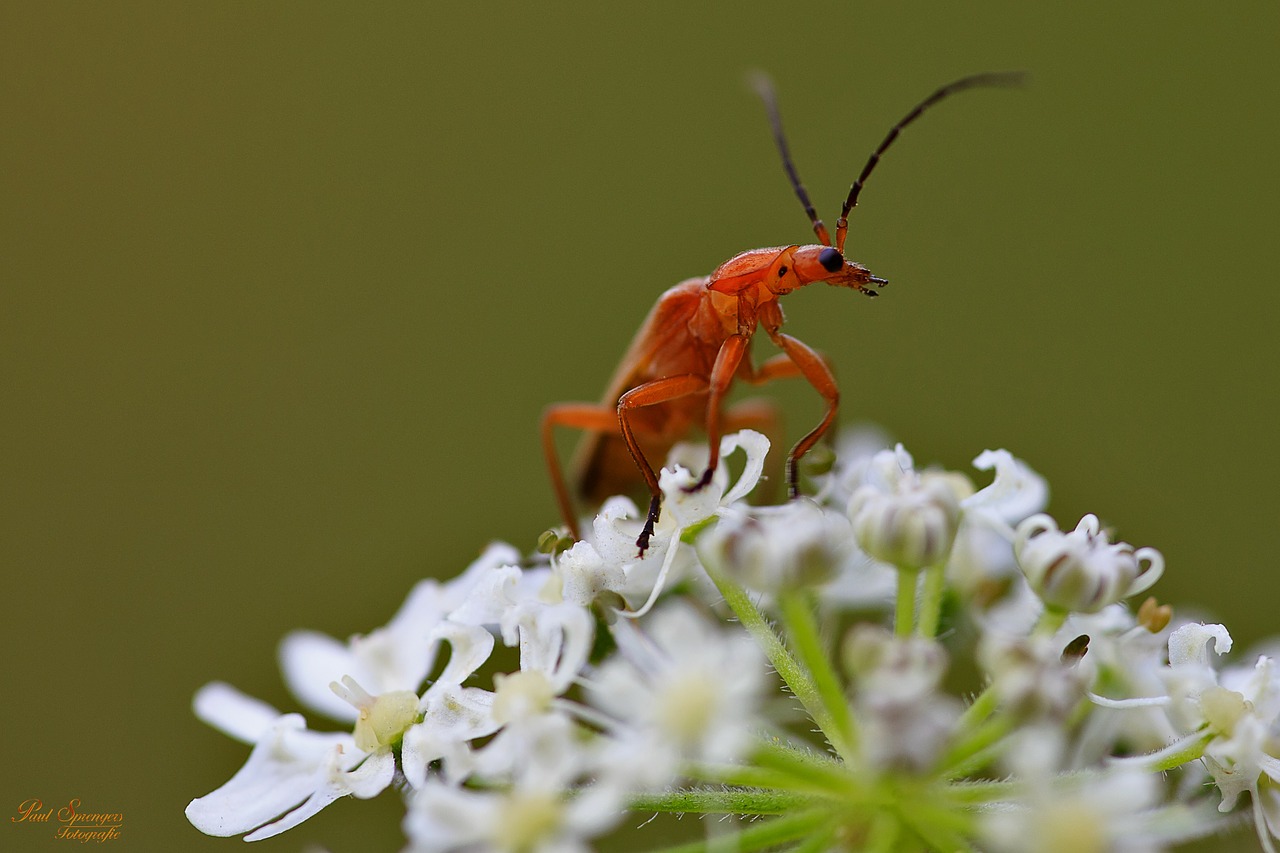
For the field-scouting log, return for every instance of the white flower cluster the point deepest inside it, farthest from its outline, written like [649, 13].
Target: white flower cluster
[653, 684]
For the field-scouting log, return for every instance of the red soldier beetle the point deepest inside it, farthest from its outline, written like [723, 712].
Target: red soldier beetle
[694, 343]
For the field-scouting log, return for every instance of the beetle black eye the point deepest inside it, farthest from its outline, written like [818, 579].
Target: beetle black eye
[830, 259]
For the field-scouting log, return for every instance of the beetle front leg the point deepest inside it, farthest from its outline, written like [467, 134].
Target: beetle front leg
[722, 373]
[809, 364]
[651, 394]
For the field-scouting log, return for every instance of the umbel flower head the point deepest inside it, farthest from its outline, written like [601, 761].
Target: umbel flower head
[903, 661]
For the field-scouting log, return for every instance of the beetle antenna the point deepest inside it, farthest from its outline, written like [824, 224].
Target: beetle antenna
[764, 88]
[1001, 78]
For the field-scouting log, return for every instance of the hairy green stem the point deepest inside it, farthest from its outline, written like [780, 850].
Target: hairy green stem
[738, 775]
[808, 771]
[792, 671]
[719, 801]
[975, 751]
[904, 611]
[931, 600]
[802, 627]
[762, 836]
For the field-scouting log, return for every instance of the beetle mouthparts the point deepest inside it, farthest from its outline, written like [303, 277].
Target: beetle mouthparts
[878, 281]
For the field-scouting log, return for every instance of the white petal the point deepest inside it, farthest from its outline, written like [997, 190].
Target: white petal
[490, 596]
[1015, 493]
[615, 529]
[556, 640]
[756, 447]
[422, 745]
[287, 766]
[310, 660]
[470, 647]
[495, 555]
[457, 713]
[233, 713]
[585, 575]
[688, 508]
[424, 605]
[1190, 644]
[368, 780]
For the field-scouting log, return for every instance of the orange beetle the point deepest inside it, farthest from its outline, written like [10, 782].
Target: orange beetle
[694, 343]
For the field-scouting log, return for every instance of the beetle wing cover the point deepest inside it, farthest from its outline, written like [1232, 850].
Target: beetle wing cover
[602, 466]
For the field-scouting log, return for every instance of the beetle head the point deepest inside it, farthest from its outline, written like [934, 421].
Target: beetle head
[823, 263]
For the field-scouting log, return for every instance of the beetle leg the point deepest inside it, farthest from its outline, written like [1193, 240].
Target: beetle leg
[722, 373]
[807, 362]
[650, 394]
[587, 416]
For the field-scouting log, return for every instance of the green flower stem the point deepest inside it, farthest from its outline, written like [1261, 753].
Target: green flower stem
[807, 771]
[981, 759]
[793, 673]
[883, 837]
[904, 612]
[935, 836]
[984, 791]
[931, 817]
[802, 627]
[975, 751]
[739, 775]
[719, 801]
[761, 836]
[1050, 621]
[1191, 752]
[804, 753]
[931, 601]
[818, 842]
[983, 705]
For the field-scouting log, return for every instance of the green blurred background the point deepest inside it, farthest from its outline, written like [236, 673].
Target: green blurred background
[284, 288]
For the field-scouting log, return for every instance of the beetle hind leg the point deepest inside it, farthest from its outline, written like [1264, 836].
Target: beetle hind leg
[585, 416]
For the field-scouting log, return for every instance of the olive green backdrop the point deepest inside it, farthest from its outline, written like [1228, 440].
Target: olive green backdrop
[284, 287]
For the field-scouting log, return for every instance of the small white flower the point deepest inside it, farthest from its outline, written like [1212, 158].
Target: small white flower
[683, 509]
[982, 554]
[291, 774]
[1030, 677]
[1124, 659]
[903, 517]
[690, 508]
[585, 576]
[525, 805]
[554, 640]
[693, 686]
[906, 720]
[1082, 570]
[1234, 714]
[1096, 812]
[395, 657]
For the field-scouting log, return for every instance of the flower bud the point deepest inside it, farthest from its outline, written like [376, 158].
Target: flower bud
[906, 719]
[905, 518]
[783, 547]
[1082, 571]
[1032, 677]
[900, 669]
